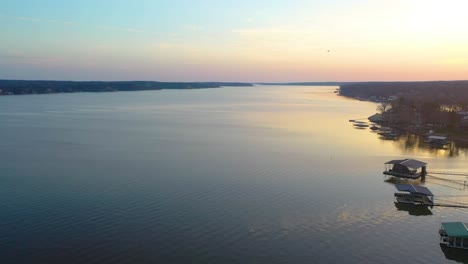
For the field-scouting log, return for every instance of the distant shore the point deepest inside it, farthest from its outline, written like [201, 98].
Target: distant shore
[438, 107]
[22, 87]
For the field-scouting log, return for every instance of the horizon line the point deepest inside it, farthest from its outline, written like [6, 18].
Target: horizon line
[247, 82]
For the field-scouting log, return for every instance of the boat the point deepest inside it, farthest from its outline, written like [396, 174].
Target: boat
[413, 195]
[454, 235]
[361, 125]
[374, 127]
[389, 134]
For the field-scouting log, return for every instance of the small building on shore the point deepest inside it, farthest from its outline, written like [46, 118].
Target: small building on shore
[406, 168]
[437, 140]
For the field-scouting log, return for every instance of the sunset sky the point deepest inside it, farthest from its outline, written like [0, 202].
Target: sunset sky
[243, 40]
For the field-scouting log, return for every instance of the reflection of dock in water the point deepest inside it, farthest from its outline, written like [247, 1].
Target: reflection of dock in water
[455, 254]
[394, 180]
[408, 140]
[416, 210]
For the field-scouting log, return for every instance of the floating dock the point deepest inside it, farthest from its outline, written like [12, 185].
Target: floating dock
[406, 168]
[414, 195]
[454, 234]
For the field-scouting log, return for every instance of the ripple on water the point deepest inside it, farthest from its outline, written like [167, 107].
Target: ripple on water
[244, 177]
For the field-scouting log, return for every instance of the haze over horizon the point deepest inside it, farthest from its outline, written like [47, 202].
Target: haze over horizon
[242, 41]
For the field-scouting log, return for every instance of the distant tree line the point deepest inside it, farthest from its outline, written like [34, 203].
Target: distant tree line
[442, 92]
[15, 87]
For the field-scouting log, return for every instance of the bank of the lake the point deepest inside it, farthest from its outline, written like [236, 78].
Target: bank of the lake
[22, 87]
[438, 107]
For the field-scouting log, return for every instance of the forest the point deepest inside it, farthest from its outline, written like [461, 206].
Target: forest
[17, 87]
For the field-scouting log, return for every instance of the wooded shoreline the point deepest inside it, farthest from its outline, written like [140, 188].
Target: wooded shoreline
[418, 107]
[19, 87]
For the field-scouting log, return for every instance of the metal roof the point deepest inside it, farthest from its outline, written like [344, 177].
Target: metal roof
[414, 164]
[394, 161]
[437, 137]
[414, 189]
[455, 229]
[410, 163]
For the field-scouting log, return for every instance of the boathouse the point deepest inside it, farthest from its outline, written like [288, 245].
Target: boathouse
[454, 234]
[413, 194]
[437, 140]
[407, 168]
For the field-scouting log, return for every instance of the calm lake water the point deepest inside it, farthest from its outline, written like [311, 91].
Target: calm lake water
[266, 174]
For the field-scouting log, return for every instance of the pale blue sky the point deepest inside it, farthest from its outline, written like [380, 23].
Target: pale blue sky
[233, 40]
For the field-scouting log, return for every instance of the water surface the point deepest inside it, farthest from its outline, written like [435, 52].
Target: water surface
[266, 174]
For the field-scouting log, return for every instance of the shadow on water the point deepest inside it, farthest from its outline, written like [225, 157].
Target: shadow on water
[412, 142]
[449, 150]
[416, 210]
[455, 254]
[409, 141]
[394, 181]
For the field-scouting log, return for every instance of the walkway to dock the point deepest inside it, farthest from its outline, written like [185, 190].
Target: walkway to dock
[459, 182]
[450, 173]
[452, 205]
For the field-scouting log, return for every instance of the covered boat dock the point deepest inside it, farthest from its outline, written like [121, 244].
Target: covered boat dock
[407, 168]
[454, 234]
[414, 194]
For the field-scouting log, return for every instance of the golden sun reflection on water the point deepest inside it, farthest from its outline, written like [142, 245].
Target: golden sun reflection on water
[316, 115]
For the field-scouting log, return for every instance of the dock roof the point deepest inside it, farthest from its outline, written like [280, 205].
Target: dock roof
[437, 137]
[414, 189]
[455, 229]
[394, 161]
[410, 163]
